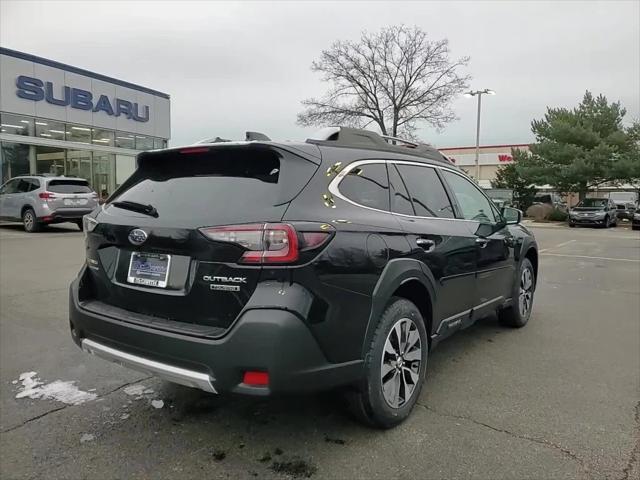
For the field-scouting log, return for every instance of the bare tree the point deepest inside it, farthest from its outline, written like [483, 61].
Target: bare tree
[393, 78]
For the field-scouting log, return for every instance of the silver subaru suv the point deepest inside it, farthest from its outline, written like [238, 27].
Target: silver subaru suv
[38, 200]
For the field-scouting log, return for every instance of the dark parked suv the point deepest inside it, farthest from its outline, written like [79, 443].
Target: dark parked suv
[265, 267]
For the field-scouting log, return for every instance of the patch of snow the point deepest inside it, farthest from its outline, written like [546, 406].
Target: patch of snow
[87, 437]
[134, 390]
[65, 392]
[14, 381]
[124, 416]
[148, 391]
[157, 403]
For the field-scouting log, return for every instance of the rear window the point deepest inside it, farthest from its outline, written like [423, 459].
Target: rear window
[69, 186]
[198, 186]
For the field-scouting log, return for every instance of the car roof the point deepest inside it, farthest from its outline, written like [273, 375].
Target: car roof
[334, 137]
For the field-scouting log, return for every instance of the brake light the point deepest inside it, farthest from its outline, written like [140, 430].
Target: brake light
[256, 379]
[46, 195]
[264, 242]
[195, 150]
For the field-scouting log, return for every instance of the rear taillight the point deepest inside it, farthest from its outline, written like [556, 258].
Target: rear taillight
[264, 242]
[47, 195]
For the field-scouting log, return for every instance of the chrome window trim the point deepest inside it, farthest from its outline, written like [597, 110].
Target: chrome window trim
[335, 191]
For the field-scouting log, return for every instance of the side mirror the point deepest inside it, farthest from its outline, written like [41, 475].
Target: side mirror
[511, 215]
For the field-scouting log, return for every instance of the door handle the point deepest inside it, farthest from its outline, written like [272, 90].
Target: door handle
[426, 244]
[482, 242]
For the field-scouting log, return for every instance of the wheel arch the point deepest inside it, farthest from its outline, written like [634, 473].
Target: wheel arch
[402, 278]
[26, 207]
[532, 255]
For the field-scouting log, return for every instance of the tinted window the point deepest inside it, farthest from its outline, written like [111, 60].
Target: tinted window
[593, 203]
[34, 184]
[217, 185]
[400, 202]
[367, 185]
[474, 205]
[69, 186]
[427, 192]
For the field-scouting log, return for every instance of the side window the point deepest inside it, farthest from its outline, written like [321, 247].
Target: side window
[24, 185]
[11, 186]
[400, 202]
[35, 184]
[367, 185]
[474, 205]
[426, 191]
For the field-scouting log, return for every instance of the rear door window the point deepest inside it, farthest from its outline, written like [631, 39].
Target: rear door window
[400, 201]
[426, 191]
[69, 186]
[367, 185]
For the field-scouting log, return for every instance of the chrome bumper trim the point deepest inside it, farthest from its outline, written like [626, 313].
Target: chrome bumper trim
[162, 370]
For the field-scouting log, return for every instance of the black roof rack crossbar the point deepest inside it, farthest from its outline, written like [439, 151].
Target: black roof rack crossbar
[359, 138]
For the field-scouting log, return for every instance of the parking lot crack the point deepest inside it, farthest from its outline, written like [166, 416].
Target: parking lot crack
[62, 407]
[635, 453]
[541, 441]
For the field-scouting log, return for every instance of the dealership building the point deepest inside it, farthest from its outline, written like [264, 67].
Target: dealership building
[490, 159]
[62, 120]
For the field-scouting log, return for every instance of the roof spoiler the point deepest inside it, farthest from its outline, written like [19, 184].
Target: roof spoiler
[249, 137]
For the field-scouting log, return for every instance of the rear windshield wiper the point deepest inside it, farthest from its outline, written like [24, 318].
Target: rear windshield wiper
[137, 207]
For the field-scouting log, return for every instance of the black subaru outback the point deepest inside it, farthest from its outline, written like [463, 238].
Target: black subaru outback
[263, 267]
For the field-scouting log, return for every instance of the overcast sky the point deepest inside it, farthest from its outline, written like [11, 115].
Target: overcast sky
[231, 67]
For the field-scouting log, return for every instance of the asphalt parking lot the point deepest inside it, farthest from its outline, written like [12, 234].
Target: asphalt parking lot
[557, 399]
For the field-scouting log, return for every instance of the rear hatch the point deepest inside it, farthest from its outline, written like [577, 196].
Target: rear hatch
[70, 194]
[154, 251]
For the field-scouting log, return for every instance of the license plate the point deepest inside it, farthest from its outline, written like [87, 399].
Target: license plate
[149, 269]
[73, 202]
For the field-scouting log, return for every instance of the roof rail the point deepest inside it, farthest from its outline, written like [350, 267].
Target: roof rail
[359, 138]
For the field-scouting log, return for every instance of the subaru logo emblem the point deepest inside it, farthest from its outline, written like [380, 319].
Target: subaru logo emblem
[137, 236]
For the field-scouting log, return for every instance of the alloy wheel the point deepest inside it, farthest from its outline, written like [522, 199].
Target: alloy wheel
[401, 363]
[28, 221]
[525, 298]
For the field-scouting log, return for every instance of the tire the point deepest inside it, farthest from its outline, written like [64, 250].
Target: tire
[572, 225]
[606, 222]
[517, 315]
[80, 224]
[30, 221]
[384, 401]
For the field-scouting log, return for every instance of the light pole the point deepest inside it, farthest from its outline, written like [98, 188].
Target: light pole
[479, 94]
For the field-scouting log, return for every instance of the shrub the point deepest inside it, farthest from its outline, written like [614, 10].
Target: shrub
[557, 215]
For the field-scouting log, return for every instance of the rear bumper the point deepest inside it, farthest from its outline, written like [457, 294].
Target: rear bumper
[162, 370]
[65, 215]
[269, 340]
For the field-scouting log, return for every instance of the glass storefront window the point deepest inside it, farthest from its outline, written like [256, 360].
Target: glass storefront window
[50, 129]
[78, 164]
[78, 134]
[125, 140]
[102, 137]
[14, 160]
[144, 143]
[103, 182]
[159, 143]
[50, 160]
[16, 124]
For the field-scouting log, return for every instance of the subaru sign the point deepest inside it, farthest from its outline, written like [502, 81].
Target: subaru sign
[37, 90]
